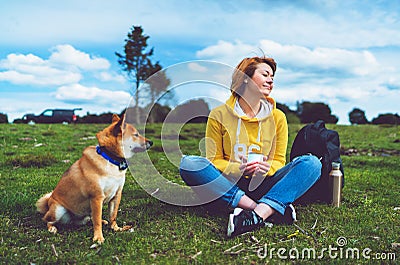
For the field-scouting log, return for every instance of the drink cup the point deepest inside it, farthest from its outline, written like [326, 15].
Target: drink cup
[254, 157]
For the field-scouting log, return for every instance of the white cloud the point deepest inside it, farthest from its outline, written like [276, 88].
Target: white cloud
[295, 56]
[320, 58]
[225, 51]
[30, 69]
[323, 23]
[67, 55]
[66, 65]
[91, 95]
[110, 76]
[196, 67]
[57, 78]
[339, 77]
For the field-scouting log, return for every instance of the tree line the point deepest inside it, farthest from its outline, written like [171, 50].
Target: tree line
[197, 111]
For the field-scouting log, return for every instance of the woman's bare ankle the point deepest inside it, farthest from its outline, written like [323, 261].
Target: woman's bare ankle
[264, 210]
[247, 203]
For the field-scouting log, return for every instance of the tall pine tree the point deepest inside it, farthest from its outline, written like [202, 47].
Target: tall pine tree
[136, 62]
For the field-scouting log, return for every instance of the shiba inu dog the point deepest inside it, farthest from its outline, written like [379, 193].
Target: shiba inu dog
[96, 178]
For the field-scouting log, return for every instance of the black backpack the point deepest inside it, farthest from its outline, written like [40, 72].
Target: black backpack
[325, 144]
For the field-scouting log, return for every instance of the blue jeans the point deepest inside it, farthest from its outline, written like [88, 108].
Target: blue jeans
[284, 187]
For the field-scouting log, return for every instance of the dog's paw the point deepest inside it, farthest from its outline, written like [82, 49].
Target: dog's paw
[98, 239]
[116, 228]
[86, 220]
[104, 222]
[126, 227]
[52, 229]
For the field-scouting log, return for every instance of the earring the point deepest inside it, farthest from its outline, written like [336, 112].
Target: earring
[245, 81]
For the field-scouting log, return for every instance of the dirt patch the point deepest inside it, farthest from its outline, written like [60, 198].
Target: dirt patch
[368, 152]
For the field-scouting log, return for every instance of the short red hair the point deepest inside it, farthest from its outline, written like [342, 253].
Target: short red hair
[245, 69]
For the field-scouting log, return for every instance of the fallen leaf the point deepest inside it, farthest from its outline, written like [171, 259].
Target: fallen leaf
[95, 245]
[195, 255]
[25, 139]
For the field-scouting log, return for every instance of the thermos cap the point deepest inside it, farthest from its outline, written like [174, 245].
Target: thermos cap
[335, 165]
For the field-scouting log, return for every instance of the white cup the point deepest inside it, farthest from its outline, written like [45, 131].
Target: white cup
[254, 157]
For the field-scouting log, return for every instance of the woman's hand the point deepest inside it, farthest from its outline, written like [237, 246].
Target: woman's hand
[263, 167]
[254, 168]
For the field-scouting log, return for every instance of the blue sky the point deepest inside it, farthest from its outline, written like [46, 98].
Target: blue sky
[62, 53]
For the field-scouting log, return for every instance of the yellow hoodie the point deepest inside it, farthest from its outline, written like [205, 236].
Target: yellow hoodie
[229, 135]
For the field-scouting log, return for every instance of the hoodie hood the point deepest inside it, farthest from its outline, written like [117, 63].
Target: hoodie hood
[268, 104]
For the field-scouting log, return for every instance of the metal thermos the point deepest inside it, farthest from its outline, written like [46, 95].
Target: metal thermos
[336, 181]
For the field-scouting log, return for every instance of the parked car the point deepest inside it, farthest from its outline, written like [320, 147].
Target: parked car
[52, 116]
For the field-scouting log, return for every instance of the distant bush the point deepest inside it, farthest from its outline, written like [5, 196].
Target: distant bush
[311, 112]
[3, 118]
[387, 118]
[357, 116]
[158, 113]
[291, 116]
[193, 111]
[94, 118]
[41, 160]
[18, 120]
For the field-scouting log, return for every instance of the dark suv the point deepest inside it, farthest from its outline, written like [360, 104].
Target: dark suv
[53, 116]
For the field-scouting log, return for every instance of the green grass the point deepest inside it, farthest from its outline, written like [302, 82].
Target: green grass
[32, 159]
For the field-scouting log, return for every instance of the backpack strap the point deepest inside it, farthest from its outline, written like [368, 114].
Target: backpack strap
[319, 125]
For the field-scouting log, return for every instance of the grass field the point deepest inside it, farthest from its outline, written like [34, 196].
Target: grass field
[364, 230]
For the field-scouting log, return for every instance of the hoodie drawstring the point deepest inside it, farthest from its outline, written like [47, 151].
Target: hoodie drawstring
[259, 132]
[238, 131]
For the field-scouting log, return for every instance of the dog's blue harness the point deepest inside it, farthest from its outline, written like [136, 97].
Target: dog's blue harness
[118, 161]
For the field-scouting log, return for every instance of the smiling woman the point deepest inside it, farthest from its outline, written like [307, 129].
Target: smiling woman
[249, 122]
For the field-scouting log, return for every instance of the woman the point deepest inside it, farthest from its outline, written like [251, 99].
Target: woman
[249, 122]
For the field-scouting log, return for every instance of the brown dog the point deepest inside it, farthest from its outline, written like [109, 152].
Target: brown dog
[96, 178]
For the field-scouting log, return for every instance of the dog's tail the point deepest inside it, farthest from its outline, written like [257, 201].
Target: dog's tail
[42, 205]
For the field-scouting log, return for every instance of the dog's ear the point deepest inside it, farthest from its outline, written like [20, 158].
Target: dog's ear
[115, 118]
[117, 127]
[123, 116]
